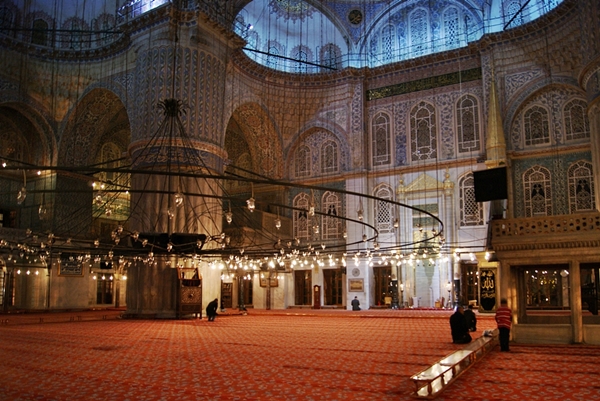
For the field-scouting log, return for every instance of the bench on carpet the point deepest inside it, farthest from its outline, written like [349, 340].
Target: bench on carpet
[431, 381]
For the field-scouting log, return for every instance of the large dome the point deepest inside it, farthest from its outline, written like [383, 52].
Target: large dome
[313, 36]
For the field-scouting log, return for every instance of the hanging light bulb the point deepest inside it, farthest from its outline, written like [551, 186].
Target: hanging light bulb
[364, 237]
[135, 235]
[178, 199]
[98, 199]
[360, 213]
[345, 234]
[108, 212]
[251, 204]
[170, 213]
[21, 195]
[42, 212]
[169, 247]
[229, 217]
[316, 228]
[278, 223]
[396, 223]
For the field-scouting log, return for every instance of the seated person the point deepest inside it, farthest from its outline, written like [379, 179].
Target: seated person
[471, 318]
[459, 328]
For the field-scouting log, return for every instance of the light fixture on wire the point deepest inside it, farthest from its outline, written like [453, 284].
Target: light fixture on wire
[251, 202]
[229, 215]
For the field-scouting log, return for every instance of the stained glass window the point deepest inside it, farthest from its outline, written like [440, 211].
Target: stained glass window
[471, 212]
[451, 28]
[329, 157]
[300, 219]
[384, 214]
[331, 208]
[419, 32]
[468, 127]
[302, 161]
[577, 125]
[538, 192]
[381, 149]
[581, 187]
[536, 126]
[423, 129]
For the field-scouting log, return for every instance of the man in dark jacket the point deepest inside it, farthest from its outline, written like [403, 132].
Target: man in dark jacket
[211, 310]
[471, 318]
[459, 328]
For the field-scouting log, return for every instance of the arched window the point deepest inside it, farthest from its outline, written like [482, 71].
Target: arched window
[577, 125]
[39, 36]
[302, 162]
[384, 212]
[537, 189]
[471, 212]
[332, 207]
[252, 39]
[275, 50]
[419, 32]
[451, 28]
[300, 219]
[330, 55]
[423, 128]
[511, 9]
[302, 55]
[581, 187]
[329, 157]
[380, 143]
[467, 124]
[536, 126]
[387, 43]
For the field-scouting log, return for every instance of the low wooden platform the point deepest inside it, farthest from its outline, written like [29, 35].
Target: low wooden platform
[431, 382]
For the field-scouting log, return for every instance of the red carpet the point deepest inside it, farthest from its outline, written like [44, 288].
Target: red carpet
[271, 355]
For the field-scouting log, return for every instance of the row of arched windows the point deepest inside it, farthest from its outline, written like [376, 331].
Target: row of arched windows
[424, 126]
[314, 158]
[322, 226]
[537, 189]
[537, 123]
[75, 33]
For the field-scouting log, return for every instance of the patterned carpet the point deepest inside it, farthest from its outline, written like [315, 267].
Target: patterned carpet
[271, 355]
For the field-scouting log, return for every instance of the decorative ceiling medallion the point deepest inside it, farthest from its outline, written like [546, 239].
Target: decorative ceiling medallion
[355, 17]
[291, 9]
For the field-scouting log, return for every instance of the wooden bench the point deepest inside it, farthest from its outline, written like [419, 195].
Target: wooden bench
[431, 381]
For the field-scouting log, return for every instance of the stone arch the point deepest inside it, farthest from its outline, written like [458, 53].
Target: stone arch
[29, 125]
[251, 123]
[99, 117]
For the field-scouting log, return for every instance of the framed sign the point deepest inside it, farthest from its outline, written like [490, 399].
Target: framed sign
[487, 288]
[274, 282]
[67, 267]
[356, 285]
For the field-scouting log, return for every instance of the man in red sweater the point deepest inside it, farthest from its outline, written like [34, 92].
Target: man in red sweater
[504, 321]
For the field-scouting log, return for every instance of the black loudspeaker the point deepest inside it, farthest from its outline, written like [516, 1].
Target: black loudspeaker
[490, 184]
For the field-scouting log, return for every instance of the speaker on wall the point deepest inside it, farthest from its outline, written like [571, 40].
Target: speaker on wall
[490, 184]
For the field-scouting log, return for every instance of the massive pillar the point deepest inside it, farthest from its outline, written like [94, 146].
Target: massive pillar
[176, 132]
